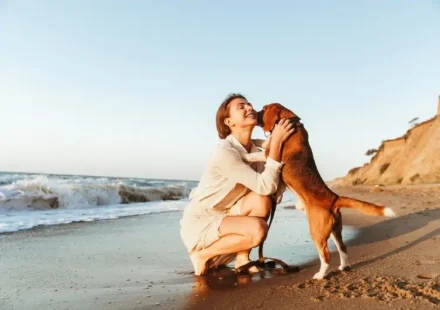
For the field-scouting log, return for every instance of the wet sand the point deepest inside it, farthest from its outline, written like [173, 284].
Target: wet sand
[116, 264]
[135, 262]
[140, 263]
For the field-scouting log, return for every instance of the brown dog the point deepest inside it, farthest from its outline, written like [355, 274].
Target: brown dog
[302, 177]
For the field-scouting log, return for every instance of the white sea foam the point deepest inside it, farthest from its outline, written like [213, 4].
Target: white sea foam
[29, 200]
[19, 220]
[44, 192]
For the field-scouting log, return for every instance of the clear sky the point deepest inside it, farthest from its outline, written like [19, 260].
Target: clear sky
[131, 88]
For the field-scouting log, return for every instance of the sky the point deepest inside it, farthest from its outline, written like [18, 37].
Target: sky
[130, 88]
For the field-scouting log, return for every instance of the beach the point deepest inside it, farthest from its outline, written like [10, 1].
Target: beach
[98, 265]
[125, 263]
[395, 262]
[119, 118]
[139, 262]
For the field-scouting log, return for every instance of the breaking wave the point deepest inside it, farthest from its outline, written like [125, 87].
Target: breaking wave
[30, 200]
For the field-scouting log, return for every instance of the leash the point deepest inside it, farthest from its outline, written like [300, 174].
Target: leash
[272, 262]
[261, 261]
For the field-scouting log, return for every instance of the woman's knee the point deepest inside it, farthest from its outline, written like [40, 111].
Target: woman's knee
[257, 205]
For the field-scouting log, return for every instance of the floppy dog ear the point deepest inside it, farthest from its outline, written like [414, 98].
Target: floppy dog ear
[285, 113]
[271, 116]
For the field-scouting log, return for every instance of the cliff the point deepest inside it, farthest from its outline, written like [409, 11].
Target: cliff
[409, 159]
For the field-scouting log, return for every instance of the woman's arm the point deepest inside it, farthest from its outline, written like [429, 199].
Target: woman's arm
[280, 134]
[232, 166]
[254, 157]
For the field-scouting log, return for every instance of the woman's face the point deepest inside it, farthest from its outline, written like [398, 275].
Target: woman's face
[241, 114]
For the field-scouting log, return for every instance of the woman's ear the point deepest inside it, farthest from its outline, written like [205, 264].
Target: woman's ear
[228, 122]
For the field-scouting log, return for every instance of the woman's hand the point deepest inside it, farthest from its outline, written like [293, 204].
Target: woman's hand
[282, 131]
[279, 135]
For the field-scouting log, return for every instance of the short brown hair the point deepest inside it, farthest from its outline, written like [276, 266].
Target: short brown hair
[223, 112]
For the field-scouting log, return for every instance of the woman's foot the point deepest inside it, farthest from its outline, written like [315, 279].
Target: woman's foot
[199, 263]
[240, 261]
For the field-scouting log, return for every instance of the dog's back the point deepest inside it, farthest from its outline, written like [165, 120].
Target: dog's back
[300, 172]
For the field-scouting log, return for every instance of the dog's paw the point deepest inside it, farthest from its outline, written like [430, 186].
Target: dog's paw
[388, 212]
[318, 276]
[344, 268]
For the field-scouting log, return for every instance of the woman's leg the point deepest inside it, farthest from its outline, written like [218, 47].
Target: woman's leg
[258, 206]
[237, 233]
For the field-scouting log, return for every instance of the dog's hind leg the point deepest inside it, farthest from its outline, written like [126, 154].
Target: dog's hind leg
[337, 239]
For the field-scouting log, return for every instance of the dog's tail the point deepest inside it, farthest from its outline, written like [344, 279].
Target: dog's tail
[364, 207]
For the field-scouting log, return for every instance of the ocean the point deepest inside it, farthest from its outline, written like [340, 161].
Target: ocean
[28, 200]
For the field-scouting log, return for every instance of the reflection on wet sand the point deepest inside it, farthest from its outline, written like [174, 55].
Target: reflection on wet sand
[225, 279]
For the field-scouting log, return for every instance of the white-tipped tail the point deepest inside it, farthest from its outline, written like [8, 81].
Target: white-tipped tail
[388, 212]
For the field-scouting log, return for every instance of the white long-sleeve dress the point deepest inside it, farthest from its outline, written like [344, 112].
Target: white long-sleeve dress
[224, 183]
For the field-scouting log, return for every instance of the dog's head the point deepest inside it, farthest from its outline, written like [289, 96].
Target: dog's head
[271, 115]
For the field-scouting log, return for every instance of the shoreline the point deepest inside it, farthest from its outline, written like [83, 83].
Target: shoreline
[107, 264]
[121, 263]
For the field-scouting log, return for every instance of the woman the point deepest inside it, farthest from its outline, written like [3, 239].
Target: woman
[227, 214]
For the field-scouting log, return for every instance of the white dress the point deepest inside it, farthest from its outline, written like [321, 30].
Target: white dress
[224, 183]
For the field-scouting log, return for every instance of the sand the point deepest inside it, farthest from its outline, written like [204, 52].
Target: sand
[116, 264]
[395, 262]
[140, 263]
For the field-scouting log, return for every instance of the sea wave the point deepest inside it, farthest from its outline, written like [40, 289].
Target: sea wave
[32, 200]
[46, 192]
